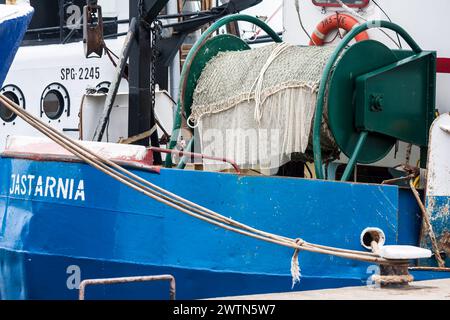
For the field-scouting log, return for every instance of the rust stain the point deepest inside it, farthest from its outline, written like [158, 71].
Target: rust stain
[444, 242]
[436, 212]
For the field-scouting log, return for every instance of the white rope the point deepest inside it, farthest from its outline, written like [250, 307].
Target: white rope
[258, 84]
[295, 266]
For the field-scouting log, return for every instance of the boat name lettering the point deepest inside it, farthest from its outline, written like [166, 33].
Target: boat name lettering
[47, 187]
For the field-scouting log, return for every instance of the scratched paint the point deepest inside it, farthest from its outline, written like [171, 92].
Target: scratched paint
[118, 232]
[438, 183]
[36, 147]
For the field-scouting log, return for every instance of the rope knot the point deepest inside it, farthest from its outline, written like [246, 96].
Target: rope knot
[295, 267]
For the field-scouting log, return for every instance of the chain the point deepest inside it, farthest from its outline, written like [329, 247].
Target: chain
[155, 28]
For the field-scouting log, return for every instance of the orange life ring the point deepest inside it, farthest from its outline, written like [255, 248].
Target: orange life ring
[334, 22]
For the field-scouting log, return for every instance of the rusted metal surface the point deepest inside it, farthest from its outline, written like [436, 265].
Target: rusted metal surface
[111, 281]
[393, 276]
[397, 180]
[138, 137]
[444, 242]
[93, 29]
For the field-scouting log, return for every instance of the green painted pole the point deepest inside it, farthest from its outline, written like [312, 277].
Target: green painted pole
[353, 160]
[184, 159]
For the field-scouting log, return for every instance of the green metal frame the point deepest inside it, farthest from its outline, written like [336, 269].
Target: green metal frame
[380, 99]
[190, 60]
[324, 85]
[360, 59]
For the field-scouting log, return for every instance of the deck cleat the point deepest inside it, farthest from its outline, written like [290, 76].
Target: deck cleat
[397, 273]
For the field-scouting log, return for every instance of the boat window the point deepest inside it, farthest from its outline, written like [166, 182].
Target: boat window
[55, 101]
[53, 104]
[103, 87]
[14, 94]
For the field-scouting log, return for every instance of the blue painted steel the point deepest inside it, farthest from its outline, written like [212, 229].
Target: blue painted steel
[116, 231]
[11, 34]
[439, 207]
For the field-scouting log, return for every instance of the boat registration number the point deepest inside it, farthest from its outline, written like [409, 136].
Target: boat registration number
[84, 73]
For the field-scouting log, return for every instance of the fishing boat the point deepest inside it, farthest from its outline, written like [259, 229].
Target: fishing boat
[53, 51]
[78, 216]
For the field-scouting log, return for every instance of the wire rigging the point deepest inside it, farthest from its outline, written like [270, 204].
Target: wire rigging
[353, 12]
[297, 8]
[389, 18]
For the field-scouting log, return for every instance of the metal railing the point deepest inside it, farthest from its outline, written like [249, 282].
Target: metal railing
[198, 156]
[111, 281]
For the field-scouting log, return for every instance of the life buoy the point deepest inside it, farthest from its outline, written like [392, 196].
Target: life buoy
[334, 22]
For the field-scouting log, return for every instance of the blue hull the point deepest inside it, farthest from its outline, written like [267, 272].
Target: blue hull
[47, 278]
[104, 229]
[12, 31]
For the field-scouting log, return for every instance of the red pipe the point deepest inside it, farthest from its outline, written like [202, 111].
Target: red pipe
[197, 155]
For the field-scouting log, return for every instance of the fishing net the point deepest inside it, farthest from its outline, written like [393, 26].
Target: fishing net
[257, 106]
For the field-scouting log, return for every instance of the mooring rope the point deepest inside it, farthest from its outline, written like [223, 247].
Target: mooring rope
[295, 266]
[192, 209]
[428, 226]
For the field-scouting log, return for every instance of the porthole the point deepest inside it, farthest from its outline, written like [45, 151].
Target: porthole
[55, 101]
[14, 94]
[103, 87]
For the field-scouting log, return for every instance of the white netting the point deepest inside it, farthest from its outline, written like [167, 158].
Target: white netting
[257, 106]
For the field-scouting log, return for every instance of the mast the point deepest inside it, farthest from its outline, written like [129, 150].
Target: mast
[141, 116]
[148, 66]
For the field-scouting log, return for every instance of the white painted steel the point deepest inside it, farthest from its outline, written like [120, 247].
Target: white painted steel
[438, 179]
[404, 252]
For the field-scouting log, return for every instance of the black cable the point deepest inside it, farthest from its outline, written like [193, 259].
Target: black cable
[387, 16]
[398, 44]
[309, 171]
[338, 32]
[112, 52]
[297, 8]
[392, 39]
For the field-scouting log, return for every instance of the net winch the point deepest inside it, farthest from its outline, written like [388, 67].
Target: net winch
[368, 95]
